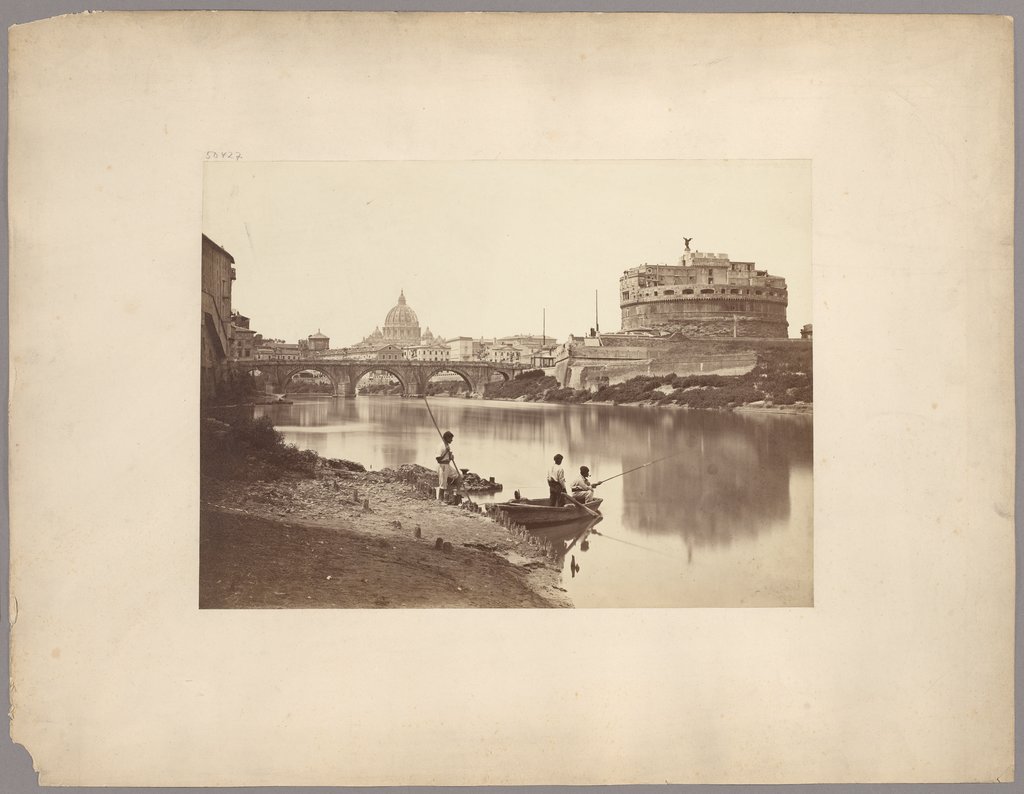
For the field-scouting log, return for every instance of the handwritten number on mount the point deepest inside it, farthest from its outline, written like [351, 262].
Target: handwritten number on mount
[212, 155]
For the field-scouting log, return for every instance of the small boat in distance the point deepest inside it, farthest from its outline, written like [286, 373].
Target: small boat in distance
[533, 513]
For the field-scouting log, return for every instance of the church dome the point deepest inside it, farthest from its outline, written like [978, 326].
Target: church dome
[402, 324]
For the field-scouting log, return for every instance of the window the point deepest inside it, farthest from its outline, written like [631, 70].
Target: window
[670, 292]
[687, 292]
[707, 292]
[734, 292]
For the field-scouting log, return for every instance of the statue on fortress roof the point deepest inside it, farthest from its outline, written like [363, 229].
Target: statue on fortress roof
[686, 242]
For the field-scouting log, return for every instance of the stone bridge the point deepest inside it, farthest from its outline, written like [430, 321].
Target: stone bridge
[344, 375]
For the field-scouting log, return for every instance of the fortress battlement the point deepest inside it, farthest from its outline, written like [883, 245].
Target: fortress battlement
[704, 295]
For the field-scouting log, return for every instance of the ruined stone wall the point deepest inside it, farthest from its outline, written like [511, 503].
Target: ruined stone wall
[727, 364]
[593, 367]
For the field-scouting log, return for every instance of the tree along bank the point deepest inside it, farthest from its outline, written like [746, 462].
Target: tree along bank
[779, 378]
[283, 527]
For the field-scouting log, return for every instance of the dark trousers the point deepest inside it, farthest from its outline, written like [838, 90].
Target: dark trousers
[557, 494]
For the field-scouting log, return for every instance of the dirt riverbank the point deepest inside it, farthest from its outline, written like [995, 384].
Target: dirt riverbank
[348, 539]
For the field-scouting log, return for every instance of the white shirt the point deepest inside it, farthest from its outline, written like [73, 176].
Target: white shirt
[582, 484]
[557, 473]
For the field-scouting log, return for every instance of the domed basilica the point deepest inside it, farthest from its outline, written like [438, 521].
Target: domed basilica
[401, 328]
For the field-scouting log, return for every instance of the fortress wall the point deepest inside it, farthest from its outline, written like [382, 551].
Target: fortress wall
[593, 377]
[708, 317]
[586, 369]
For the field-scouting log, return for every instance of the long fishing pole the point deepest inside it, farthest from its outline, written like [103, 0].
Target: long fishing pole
[644, 466]
[458, 471]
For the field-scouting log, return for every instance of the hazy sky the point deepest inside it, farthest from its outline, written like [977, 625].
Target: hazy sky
[482, 248]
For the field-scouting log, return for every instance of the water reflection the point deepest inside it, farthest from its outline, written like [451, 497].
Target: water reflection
[730, 475]
[732, 506]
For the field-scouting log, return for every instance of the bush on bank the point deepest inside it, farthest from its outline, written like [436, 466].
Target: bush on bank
[531, 385]
[252, 449]
[780, 377]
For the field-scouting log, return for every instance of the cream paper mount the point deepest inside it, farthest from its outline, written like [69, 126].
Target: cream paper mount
[902, 670]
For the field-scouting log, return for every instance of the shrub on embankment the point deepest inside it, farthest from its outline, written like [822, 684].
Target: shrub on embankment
[252, 449]
[782, 376]
[530, 385]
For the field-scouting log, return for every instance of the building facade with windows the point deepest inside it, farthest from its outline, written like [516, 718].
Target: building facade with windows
[243, 338]
[218, 272]
[704, 295]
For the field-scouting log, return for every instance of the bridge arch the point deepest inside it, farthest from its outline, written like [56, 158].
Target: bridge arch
[467, 378]
[360, 372]
[290, 372]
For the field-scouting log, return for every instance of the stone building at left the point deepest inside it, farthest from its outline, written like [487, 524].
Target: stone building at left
[218, 272]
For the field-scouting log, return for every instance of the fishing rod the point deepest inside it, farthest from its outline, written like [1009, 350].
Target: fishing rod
[458, 471]
[644, 466]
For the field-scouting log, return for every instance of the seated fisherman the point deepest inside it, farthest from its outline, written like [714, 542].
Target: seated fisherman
[582, 487]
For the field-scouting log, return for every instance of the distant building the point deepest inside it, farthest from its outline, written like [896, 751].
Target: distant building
[390, 353]
[216, 342]
[401, 328]
[541, 359]
[277, 350]
[318, 342]
[243, 338]
[401, 325]
[504, 354]
[464, 348]
[805, 332]
[704, 295]
[431, 351]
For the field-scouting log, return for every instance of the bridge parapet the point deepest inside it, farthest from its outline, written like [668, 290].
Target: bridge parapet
[345, 374]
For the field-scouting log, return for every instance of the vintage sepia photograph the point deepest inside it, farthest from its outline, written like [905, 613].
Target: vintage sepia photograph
[503, 314]
[515, 384]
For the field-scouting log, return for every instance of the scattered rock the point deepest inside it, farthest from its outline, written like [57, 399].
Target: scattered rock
[439, 543]
[346, 465]
[417, 533]
[446, 547]
[366, 506]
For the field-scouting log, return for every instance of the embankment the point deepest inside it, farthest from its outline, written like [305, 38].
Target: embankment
[284, 528]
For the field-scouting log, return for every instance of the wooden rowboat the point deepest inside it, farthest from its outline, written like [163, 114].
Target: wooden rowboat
[534, 513]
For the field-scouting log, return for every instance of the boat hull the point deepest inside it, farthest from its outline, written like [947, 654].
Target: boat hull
[537, 513]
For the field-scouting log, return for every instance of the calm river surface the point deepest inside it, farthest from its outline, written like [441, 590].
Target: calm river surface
[727, 522]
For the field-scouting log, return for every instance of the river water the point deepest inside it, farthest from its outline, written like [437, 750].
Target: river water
[726, 521]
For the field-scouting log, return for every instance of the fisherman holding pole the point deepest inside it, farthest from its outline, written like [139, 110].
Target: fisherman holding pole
[582, 487]
[446, 471]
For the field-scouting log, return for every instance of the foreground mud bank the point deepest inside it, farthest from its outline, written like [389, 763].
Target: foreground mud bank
[344, 539]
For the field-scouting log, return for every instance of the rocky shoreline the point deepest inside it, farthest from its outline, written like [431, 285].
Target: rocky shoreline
[331, 537]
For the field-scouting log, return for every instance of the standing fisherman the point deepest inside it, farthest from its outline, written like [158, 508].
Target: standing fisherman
[556, 483]
[446, 471]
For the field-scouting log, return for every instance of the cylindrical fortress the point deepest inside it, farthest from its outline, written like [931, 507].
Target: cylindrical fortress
[705, 295]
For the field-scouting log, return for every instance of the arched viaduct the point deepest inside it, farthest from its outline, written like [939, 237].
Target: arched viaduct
[344, 375]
